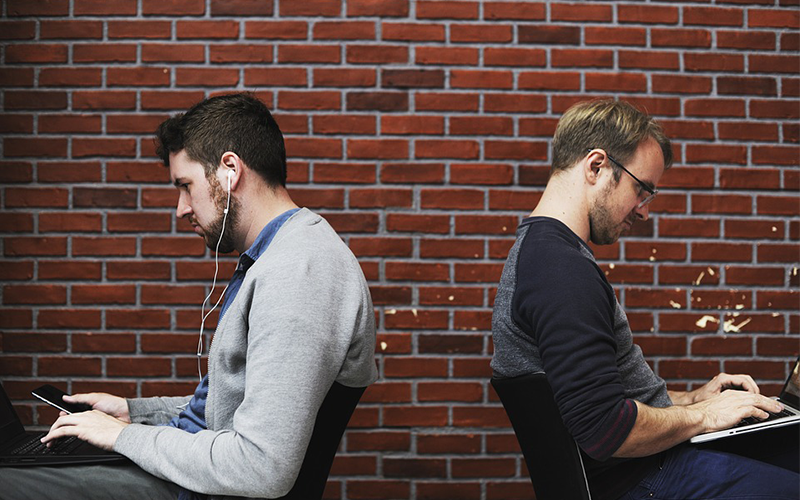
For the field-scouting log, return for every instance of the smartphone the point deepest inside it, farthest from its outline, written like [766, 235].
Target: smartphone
[53, 396]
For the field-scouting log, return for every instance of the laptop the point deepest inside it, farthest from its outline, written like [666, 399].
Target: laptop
[19, 447]
[790, 397]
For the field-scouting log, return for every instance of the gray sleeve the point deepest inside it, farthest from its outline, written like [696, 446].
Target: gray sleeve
[156, 411]
[307, 321]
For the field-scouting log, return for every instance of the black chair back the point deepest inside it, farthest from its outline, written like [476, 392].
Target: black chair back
[332, 419]
[552, 456]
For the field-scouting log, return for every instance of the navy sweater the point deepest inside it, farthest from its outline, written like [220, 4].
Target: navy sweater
[556, 313]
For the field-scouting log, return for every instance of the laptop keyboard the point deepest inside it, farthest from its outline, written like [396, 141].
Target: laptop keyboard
[772, 416]
[36, 447]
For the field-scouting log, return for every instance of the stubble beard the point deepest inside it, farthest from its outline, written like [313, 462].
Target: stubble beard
[603, 229]
[211, 234]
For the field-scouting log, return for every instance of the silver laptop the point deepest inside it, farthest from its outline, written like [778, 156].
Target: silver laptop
[790, 397]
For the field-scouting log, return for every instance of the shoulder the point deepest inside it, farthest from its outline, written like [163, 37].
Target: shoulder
[307, 248]
[555, 274]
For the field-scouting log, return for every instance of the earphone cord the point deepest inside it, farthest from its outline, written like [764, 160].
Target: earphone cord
[203, 314]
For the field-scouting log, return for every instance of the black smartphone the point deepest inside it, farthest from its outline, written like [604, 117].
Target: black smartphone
[53, 396]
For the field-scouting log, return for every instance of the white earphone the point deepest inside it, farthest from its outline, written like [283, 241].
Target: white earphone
[203, 314]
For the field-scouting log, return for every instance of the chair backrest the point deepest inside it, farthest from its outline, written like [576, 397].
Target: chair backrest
[332, 419]
[553, 458]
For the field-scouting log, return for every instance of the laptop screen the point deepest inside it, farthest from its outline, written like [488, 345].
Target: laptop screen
[791, 391]
[10, 426]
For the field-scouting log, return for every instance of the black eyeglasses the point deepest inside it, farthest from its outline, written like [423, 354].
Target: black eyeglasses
[645, 188]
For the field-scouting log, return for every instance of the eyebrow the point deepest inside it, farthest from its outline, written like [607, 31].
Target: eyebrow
[178, 181]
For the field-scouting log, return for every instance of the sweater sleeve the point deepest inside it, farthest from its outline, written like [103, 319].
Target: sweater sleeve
[564, 299]
[155, 411]
[303, 314]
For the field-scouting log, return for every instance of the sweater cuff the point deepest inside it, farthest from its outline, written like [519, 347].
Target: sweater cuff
[613, 432]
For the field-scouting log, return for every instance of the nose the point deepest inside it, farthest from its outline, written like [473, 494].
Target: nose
[642, 213]
[183, 209]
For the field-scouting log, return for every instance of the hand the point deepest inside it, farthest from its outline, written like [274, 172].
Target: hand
[94, 426]
[728, 408]
[721, 382]
[107, 403]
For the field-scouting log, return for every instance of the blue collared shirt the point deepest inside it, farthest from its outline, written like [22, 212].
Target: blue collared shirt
[193, 418]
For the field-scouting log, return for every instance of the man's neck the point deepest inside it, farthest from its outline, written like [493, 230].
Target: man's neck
[564, 200]
[259, 212]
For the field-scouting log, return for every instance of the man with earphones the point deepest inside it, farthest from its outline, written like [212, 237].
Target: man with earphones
[296, 317]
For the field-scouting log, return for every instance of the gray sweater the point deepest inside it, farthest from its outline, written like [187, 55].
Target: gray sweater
[302, 319]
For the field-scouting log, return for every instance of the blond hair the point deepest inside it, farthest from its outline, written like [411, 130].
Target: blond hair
[615, 126]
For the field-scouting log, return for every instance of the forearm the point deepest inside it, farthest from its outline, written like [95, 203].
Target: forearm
[681, 398]
[658, 429]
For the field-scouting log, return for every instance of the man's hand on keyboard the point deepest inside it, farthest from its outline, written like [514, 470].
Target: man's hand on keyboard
[96, 427]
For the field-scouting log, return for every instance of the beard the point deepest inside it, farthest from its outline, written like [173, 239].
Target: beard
[603, 229]
[213, 234]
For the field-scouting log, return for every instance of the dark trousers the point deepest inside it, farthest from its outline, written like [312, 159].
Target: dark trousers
[759, 465]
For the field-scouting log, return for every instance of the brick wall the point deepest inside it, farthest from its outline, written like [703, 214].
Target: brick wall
[421, 131]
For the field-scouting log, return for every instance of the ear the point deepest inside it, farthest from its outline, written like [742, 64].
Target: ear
[230, 170]
[592, 165]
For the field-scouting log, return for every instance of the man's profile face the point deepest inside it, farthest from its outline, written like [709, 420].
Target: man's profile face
[203, 199]
[616, 208]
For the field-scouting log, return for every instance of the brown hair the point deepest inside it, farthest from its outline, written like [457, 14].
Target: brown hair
[236, 122]
[615, 126]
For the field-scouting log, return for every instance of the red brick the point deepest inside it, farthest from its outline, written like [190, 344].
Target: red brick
[647, 14]
[377, 101]
[376, 54]
[746, 40]
[16, 147]
[416, 271]
[721, 252]
[207, 29]
[377, 148]
[456, 56]
[94, 53]
[713, 16]
[83, 30]
[774, 109]
[241, 8]
[514, 10]
[559, 35]
[24, 99]
[406, 78]
[480, 33]
[139, 29]
[773, 18]
[309, 54]
[582, 58]
[446, 9]
[275, 30]
[681, 84]
[446, 102]
[407, 416]
[241, 53]
[16, 77]
[444, 148]
[380, 8]
[37, 8]
[774, 205]
[715, 107]
[747, 86]
[418, 223]
[173, 7]
[451, 248]
[366, 490]
[358, 30]
[471, 79]
[514, 103]
[514, 57]
[765, 276]
[689, 38]
[419, 32]
[779, 253]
